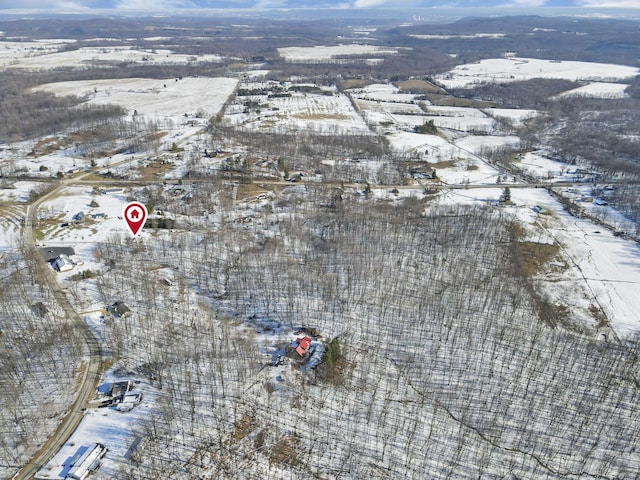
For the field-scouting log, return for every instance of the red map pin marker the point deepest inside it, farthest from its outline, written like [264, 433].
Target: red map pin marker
[135, 215]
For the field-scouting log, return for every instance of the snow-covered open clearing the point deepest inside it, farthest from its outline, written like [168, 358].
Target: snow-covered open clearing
[322, 53]
[479, 143]
[19, 191]
[609, 267]
[516, 69]
[382, 92]
[153, 97]
[13, 52]
[600, 269]
[454, 165]
[459, 36]
[101, 56]
[461, 123]
[99, 223]
[438, 148]
[598, 90]
[540, 167]
[11, 220]
[388, 107]
[515, 116]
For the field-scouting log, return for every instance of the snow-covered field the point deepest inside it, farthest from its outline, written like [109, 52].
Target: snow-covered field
[322, 53]
[479, 143]
[369, 106]
[168, 97]
[538, 166]
[459, 36]
[12, 52]
[600, 269]
[603, 270]
[515, 69]
[100, 222]
[382, 92]
[455, 122]
[35, 59]
[435, 147]
[598, 90]
[19, 192]
[516, 116]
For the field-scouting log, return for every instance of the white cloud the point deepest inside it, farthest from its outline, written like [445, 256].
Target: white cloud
[610, 3]
[39, 4]
[153, 5]
[389, 3]
[368, 3]
[523, 3]
[270, 4]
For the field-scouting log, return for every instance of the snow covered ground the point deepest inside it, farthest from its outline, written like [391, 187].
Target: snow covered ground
[168, 97]
[99, 223]
[600, 270]
[36, 59]
[515, 69]
[606, 269]
[382, 92]
[324, 114]
[537, 165]
[517, 116]
[114, 429]
[322, 53]
[11, 220]
[598, 90]
[459, 36]
[14, 52]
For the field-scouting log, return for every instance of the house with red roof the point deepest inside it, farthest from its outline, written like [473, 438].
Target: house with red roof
[303, 345]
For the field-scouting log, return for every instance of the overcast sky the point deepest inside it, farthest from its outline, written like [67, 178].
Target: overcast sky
[88, 5]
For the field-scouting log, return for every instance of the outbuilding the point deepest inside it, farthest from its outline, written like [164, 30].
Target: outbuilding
[63, 263]
[120, 309]
[87, 463]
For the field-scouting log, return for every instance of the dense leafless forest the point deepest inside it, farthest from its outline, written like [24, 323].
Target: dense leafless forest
[452, 364]
[40, 355]
[447, 360]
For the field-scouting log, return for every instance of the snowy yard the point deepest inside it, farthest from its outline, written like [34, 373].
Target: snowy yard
[116, 430]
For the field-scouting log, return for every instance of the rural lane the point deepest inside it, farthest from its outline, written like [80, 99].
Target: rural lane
[92, 368]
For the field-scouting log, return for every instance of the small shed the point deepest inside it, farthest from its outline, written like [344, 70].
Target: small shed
[62, 263]
[119, 309]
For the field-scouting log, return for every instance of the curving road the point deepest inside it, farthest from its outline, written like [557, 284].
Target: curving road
[94, 363]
